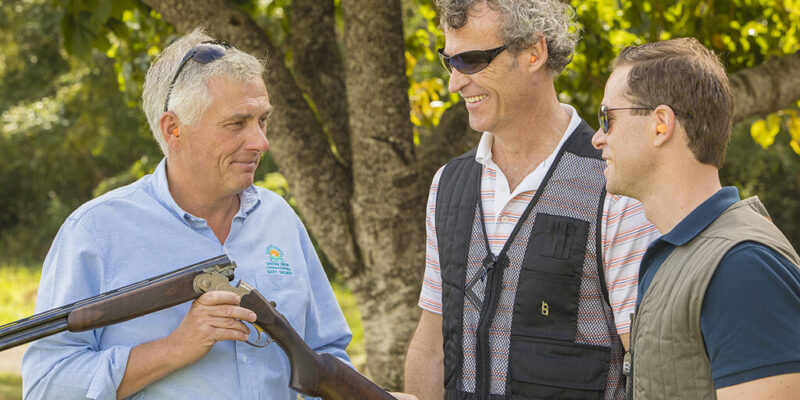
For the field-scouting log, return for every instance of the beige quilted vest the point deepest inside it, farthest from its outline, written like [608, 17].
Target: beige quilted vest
[669, 356]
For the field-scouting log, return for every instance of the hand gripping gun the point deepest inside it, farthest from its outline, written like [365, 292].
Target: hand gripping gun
[312, 374]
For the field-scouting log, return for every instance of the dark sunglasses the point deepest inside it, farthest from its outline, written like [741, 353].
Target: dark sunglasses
[602, 114]
[470, 62]
[203, 53]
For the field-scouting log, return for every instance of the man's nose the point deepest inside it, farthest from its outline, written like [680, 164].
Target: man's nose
[599, 139]
[457, 81]
[258, 139]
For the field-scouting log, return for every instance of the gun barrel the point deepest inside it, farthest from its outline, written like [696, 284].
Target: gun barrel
[16, 335]
[56, 320]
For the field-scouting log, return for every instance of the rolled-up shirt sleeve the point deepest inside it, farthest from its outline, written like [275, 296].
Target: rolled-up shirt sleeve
[71, 365]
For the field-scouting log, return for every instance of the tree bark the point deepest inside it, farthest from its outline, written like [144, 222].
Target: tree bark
[388, 202]
[318, 68]
[766, 88]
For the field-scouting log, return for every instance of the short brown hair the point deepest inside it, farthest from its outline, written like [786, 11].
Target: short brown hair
[684, 75]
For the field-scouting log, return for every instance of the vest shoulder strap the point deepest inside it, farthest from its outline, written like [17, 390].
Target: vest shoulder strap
[456, 198]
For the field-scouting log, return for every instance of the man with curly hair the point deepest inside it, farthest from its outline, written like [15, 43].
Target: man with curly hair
[531, 267]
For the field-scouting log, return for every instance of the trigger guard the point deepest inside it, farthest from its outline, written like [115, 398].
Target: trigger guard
[257, 343]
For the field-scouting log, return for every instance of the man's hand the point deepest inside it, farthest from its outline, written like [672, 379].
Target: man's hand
[213, 317]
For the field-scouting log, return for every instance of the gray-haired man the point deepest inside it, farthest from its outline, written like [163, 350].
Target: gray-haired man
[207, 107]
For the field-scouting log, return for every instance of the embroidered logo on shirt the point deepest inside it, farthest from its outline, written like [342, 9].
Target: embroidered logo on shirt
[275, 263]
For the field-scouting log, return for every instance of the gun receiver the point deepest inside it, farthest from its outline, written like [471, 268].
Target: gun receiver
[115, 306]
[313, 374]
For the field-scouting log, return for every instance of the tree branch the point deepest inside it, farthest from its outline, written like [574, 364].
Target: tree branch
[766, 88]
[318, 68]
[451, 138]
[299, 145]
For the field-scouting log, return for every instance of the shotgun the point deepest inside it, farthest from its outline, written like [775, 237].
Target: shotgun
[312, 374]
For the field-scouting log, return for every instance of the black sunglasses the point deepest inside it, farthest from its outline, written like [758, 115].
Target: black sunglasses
[204, 53]
[470, 62]
[602, 114]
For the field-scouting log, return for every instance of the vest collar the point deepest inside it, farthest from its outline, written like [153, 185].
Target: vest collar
[702, 216]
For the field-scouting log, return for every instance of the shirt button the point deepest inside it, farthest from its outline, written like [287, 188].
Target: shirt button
[244, 358]
[504, 219]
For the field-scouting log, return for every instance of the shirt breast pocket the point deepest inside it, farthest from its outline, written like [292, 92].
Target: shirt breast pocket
[290, 294]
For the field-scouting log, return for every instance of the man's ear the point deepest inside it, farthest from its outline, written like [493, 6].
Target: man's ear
[664, 124]
[170, 129]
[538, 54]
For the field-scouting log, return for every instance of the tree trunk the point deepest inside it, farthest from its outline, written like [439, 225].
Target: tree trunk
[388, 201]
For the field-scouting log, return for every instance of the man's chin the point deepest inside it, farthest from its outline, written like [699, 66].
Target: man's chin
[618, 190]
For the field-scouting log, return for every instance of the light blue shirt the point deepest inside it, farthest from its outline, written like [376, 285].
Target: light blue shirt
[137, 232]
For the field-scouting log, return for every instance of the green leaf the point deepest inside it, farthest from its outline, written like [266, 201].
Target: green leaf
[764, 132]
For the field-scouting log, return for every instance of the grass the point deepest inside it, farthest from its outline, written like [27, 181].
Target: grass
[17, 292]
[18, 296]
[10, 387]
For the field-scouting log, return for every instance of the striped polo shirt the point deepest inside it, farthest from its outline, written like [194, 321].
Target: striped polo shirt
[625, 232]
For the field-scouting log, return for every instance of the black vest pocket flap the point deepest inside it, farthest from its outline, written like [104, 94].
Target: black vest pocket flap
[562, 369]
[557, 245]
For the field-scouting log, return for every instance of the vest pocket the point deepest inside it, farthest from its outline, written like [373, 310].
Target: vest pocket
[546, 306]
[549, 369]
[548, 289]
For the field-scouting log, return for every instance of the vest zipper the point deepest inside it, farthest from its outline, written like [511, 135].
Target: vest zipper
[482, 357]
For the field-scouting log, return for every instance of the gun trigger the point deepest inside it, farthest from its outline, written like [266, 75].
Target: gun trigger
[259, 331]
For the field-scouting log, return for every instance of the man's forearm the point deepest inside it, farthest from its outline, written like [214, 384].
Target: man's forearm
[779, 387]
[424, 374]
[147, 363]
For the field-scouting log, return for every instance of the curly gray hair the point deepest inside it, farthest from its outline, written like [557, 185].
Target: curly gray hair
[190, 96]
[524, 23]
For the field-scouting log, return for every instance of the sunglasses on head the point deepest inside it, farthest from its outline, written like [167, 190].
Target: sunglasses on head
[602, 114]
[204, 53]
[470, 62]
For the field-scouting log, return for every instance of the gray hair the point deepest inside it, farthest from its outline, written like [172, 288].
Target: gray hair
[524, 23]
[190, 96]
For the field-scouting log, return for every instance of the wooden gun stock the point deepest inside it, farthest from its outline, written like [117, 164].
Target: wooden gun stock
[313, 374]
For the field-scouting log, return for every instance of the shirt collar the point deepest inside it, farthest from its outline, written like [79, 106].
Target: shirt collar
[702, 216]
[249, 198]
[483, 154]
